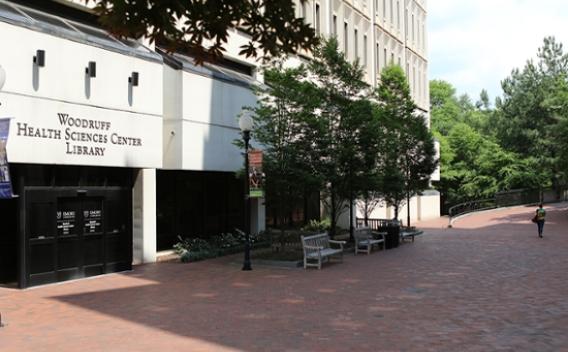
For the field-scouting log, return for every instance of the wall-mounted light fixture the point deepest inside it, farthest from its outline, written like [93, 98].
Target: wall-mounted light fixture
[39, 58]
[2, 77]
[133, 79]
[91, 69]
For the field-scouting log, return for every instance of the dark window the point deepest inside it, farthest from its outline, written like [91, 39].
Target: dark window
[318, 28]
[334, 29]
[346, 39]
[197, 204]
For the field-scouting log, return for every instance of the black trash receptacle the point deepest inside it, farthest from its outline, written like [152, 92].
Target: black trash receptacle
[393, 236]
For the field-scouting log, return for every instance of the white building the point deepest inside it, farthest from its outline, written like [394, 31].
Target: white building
[379, 33]
[116, 148]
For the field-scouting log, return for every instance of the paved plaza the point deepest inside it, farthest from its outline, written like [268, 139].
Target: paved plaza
[488, 284]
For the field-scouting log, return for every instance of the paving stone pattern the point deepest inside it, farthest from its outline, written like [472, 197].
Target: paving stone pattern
[488, 284]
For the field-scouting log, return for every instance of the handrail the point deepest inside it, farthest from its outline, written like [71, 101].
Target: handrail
[470, 207]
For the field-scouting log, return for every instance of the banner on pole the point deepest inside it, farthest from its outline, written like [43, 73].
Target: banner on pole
[5, 181]
[256, 176]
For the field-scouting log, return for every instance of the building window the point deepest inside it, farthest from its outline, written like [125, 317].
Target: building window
[376, 7]
[346, 39]
[413, 28]
[385, 58]
[406, 24]
[385, 9]
[391, 13]
[392, 59]
[365, 50]
[423, 37]
[318, 28]
[418, 31]
[399, 61]
[413, 80]
[398, 15]
[356, 43]
[334, 29]
[303, 9]
[377, 59]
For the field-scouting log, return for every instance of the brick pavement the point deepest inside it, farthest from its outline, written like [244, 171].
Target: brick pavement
[488, 284]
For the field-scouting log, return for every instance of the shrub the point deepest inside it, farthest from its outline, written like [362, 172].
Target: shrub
[224, 240]
[191, 245]
[317, 226]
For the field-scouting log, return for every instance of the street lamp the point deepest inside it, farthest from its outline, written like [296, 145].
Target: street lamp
[245, 124]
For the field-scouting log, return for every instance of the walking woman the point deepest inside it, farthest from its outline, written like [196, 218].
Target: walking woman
[540, 215]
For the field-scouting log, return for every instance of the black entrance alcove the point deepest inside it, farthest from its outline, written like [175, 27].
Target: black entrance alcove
[72, 233]
[72, 222]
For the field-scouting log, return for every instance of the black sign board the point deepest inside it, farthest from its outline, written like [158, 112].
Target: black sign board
[66, 222]
[92, 220]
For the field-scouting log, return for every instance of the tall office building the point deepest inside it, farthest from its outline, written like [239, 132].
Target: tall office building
[379, 33]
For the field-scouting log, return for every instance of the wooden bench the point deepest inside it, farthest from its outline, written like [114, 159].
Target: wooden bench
[404, 234]
[318, 248]
[365, 239]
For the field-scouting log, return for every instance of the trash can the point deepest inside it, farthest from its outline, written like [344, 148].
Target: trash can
[393, 236]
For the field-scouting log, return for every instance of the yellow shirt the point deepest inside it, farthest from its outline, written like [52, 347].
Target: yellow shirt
[540, 214]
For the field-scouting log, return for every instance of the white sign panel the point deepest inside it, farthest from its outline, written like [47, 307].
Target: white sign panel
[50, 132]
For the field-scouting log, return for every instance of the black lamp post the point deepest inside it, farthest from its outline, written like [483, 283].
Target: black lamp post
[245, 123]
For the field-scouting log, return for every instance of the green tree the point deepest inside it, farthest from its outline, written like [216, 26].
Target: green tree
[202, 27]
[483, 102]
[346, 128]
[411, 153]
[279, 119]
[318, 133]
[526, 123]
[444, 107]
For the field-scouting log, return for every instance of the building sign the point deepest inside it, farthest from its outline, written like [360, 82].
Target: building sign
[92, 219]
[65, 222]
[47, 132]
[256, 176]
[5, 181]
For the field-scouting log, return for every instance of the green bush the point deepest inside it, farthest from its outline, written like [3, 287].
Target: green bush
[194, 249]
[317, 226]
[191, 245]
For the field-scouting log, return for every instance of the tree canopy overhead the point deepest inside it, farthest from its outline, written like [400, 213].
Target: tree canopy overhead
[202, 27]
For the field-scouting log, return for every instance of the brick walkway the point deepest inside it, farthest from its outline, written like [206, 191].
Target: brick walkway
[488, 284]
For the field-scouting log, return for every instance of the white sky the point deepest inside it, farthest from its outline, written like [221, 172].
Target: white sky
[474, 44]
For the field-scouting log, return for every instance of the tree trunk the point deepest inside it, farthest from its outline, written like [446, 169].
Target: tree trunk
[333, 213]
[408, 209]
[351, 229]
[305, 207]
[366, 212]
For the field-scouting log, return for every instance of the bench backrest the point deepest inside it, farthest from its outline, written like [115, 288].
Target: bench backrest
[362, 232]
[319, 240]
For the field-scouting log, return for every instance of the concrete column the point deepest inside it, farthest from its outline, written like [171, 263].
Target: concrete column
[144, 216]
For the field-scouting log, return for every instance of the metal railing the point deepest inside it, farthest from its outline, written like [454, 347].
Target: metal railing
[470, 207]
[507, 199]
[376, 224]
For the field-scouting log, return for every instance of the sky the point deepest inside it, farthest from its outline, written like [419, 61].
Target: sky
[475, 44]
